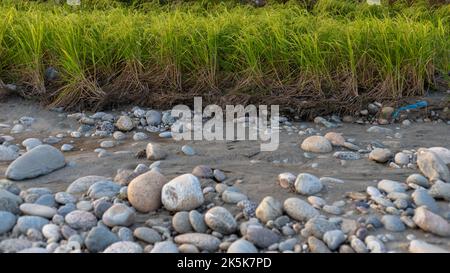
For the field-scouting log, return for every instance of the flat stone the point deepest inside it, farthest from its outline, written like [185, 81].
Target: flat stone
[299, 209]
[79, 219]
[24, 223]
[37, 210]
[200, 240]
[118, 215]
[334, 238]
[39, 161]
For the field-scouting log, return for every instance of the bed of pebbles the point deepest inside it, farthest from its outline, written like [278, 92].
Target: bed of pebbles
[141, 210]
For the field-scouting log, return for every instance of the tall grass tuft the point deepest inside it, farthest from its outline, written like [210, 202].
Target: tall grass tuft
[107, 53]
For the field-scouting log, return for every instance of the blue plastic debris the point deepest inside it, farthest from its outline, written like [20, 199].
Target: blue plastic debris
[417, 105]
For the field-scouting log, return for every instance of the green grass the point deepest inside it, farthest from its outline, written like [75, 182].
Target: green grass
[109, 52]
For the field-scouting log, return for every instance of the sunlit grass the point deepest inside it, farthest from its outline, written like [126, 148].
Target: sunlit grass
[337, 49]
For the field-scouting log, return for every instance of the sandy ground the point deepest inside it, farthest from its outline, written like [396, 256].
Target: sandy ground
[241, 160]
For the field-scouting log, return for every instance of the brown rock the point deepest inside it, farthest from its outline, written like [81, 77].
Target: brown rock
[144, 192]
[316, 144]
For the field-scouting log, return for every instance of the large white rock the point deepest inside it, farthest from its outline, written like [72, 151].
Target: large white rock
[432, 166]
[182, 193]
[308, 184]
[431, 222]
[442, 153]
[41, 160]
